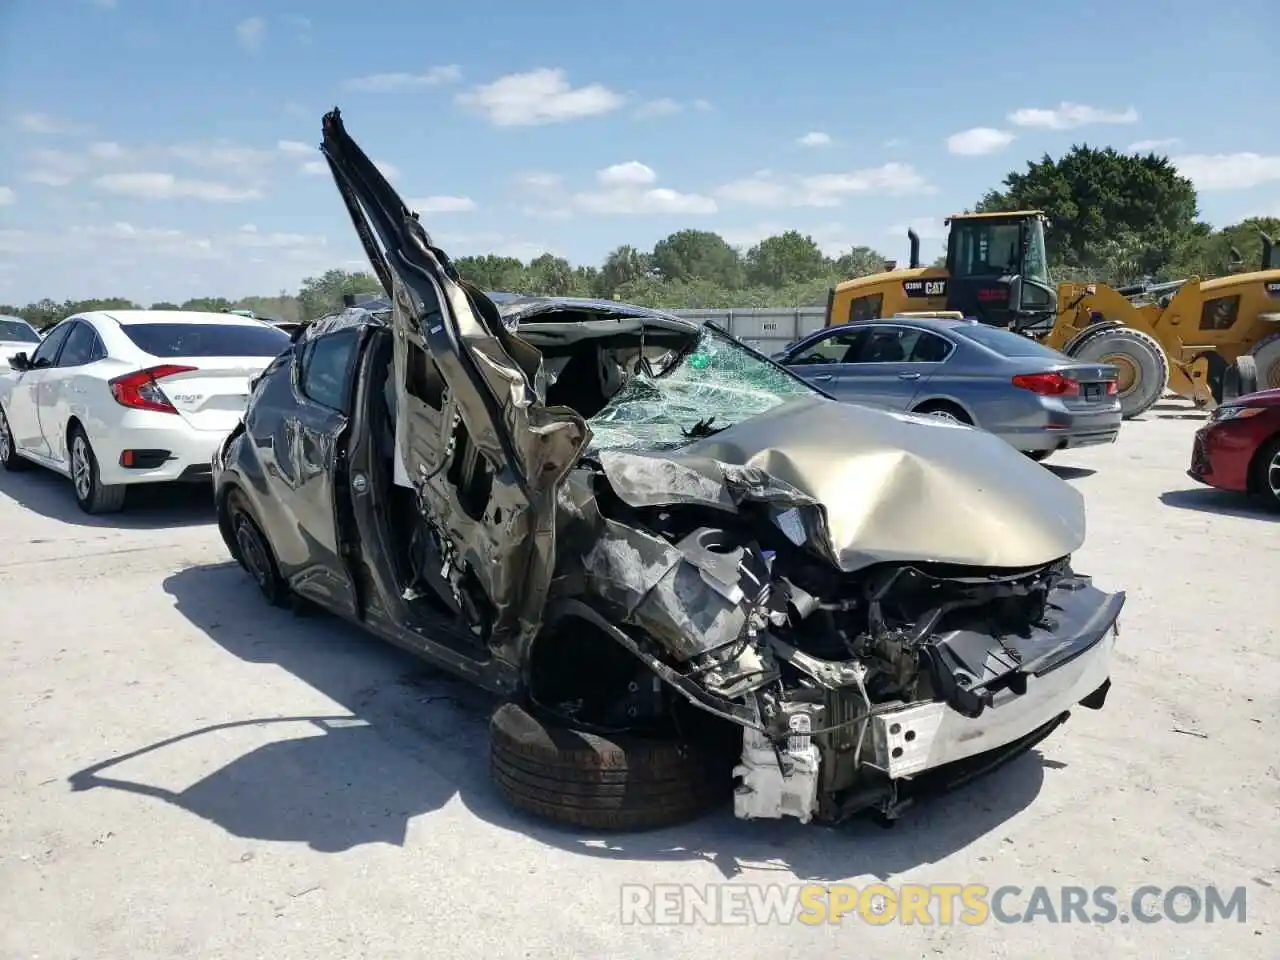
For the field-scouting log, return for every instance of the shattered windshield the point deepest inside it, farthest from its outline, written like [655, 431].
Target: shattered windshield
[714, 385]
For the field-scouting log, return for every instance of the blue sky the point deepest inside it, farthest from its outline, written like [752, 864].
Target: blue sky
[160, 149]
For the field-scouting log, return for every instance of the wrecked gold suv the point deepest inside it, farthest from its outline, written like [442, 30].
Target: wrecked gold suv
[689, 574]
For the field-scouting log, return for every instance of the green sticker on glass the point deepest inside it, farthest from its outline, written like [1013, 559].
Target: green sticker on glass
[699, 361]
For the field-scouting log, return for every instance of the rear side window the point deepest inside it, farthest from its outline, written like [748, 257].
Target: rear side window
[326, 368]
[82, 347]
[14, 330]
[206, 339]
[1007, 344]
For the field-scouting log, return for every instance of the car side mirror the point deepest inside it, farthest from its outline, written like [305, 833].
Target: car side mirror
[20, 361]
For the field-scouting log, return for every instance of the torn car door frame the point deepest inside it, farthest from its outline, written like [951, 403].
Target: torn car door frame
[486, 465]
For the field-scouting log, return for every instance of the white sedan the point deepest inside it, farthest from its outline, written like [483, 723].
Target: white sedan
[114, 398]
[15, 335]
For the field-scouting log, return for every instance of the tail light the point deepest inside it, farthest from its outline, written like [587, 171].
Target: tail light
[1112, 388]
[140, 391]
[1048, 384]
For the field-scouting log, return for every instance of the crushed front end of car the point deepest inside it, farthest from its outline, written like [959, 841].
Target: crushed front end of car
[879, 603]
[644, 521]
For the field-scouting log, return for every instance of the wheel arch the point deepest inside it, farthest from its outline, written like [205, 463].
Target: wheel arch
[1255, 462]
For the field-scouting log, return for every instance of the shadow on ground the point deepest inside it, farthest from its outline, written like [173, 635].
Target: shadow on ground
[1221, 502]
[412, 738]
[147, 506]
[1070, 473]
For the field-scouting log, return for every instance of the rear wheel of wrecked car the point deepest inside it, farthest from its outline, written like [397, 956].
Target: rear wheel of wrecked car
[255, 553]
[605, 782]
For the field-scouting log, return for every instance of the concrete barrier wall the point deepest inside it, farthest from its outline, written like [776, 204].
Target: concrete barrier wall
[768, 329]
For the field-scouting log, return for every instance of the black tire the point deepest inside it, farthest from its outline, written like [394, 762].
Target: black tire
[1138, 354]
[9, 456]
[1266, 357]
[1266, 471]
[943, 411]
[1240, 379]
[1039, 456]
[254, 552]
[92, 495]
[603, 783]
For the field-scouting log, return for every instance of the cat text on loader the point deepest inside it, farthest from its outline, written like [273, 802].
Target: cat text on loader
[1202, 340]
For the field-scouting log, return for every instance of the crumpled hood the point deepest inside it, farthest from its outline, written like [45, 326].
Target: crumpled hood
[894, 487]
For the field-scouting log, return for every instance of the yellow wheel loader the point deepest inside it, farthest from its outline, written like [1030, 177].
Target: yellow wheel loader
[1205, 341]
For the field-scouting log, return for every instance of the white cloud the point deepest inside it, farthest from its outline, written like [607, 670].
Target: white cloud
[392, 82]
[768, 189]
[632, 173]
[48, 125]
[165, 186]
[7, 197]
[54, 168]
[662, 107]
[388, 170]
[978, 141]
[106, 150]
[1153, 146]
[628, 188]
[666, 106]
[1228, 171]
[1068, 116]
[314, 167]
[893, 142]
[294, 146]
[441, 204]
[539, 180]
[251, 33]
[815, 139]
[537, 97]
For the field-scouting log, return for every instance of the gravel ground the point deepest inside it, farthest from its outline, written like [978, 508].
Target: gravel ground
[308, 792]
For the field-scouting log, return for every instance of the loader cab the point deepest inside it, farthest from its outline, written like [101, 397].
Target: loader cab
[999, 270]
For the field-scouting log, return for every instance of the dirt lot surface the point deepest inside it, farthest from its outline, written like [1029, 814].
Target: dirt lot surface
[308, 792]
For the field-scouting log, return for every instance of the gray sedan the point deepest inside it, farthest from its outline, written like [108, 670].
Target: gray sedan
[1035, 398]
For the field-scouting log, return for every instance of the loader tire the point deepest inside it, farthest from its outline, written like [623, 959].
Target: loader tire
[604, 783]
[1266, 355]
[1144, 369]
[1240, 379]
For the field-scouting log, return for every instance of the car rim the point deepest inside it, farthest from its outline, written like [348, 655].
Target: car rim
[1127, 371]
[1273, 475]
[81, 475]
[944, 415]
[5, 445]
[253, 551]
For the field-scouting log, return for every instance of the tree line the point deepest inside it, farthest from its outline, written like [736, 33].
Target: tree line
[1114, 218]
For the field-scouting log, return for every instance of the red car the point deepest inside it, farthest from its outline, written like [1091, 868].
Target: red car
[1239, 448]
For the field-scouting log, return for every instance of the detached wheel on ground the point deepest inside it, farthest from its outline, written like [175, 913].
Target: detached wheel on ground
[605, 783]
[1144, 369]
[92, 495]
[1240, 379]
[1266, 471]
[254, 552]
[9, 458]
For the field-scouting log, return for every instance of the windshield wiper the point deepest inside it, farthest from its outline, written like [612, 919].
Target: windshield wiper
[702, 429]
